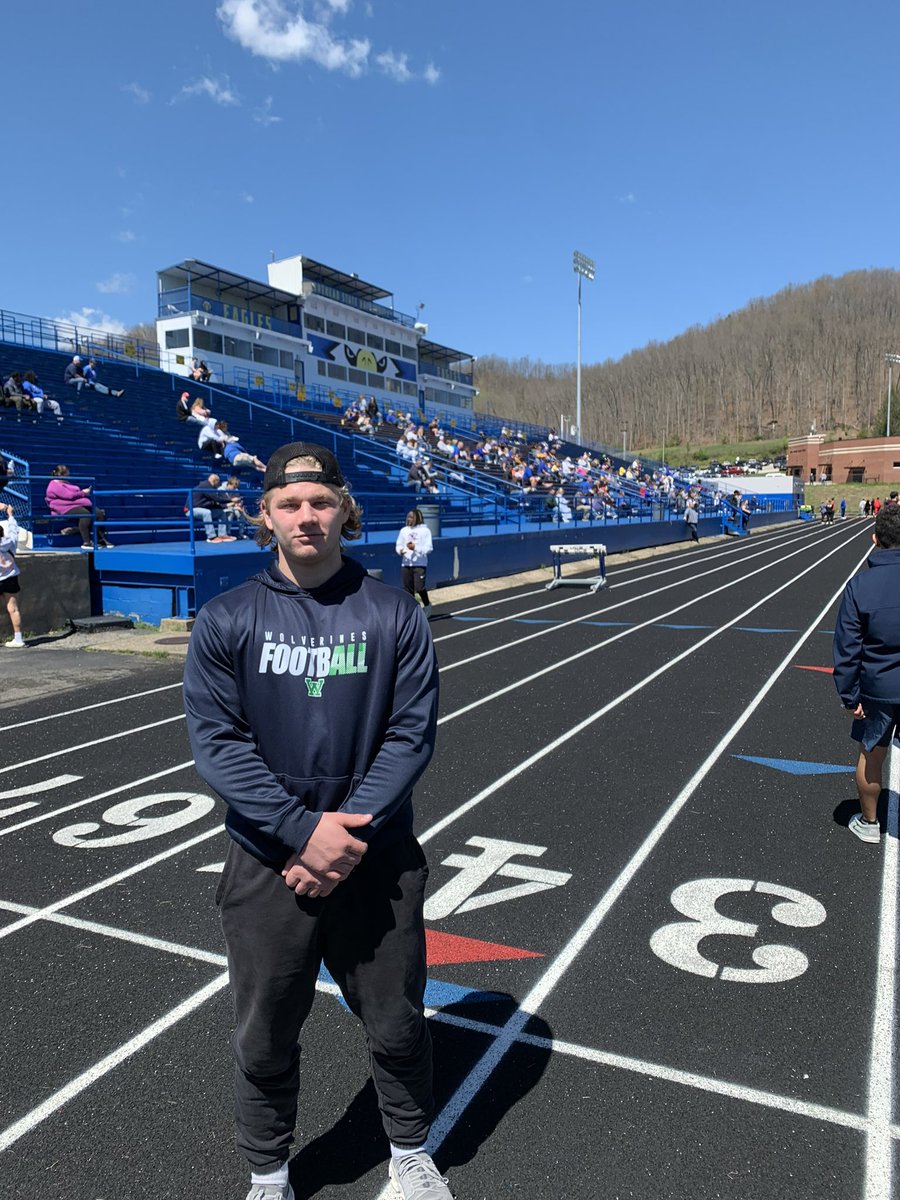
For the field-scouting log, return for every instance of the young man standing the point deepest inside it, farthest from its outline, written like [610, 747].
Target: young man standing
[867, 664]
[311, 697]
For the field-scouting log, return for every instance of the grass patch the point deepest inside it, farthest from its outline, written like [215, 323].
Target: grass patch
[693, 455]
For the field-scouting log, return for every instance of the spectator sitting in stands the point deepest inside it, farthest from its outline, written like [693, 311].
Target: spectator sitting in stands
[390, 416]
[183, 406]
[200, 372]
[235, 513]
[349, 416]
[419, 477]
[198, 411]
[66, 499]
[406, 449]
[73, 375]
[13, 394]
[90, 379]
[30, 388]
[211, 439]
[235, 454]
[206, 499]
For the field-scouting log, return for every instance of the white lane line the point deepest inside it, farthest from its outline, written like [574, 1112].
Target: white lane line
[123, 787]
[691, 1079]
[110, 737]
[545, 984]
[110, 881]
[879, 1154]
[667, 587]
[112, 931]
[517, 616]
[70, 712]
[81, 1082]
[555, 666]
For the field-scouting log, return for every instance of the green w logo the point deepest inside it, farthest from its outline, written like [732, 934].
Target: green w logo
[314, 687]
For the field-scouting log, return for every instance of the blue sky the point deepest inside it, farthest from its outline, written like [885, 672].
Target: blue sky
[703, 154]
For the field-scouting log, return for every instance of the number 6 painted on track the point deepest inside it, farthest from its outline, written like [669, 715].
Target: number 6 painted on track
[196, 805]
[678, 944]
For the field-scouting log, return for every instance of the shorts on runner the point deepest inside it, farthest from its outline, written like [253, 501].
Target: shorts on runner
[877, 727]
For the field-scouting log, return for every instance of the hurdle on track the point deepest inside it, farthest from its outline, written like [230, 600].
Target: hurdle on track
[596, 582]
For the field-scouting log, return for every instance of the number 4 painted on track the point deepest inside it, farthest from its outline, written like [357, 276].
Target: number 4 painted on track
[678, 944]
[476, 869]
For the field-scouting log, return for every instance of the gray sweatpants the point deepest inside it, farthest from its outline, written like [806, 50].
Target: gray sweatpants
[369, 933]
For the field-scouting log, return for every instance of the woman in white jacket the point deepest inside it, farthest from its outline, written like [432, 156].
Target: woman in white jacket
[9, 576]
[414, 545]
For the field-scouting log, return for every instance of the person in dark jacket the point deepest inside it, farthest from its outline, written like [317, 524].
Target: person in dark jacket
[867, 664]
[311, 696]
[204, 501]
[73, 376]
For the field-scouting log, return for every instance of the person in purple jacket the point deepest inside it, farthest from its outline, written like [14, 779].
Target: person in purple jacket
[867, 664]
[311, 701]
[66, 499]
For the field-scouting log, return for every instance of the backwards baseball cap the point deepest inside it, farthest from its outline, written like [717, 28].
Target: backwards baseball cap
[329, 470]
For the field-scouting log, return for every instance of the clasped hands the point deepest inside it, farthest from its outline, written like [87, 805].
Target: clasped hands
[328, 857]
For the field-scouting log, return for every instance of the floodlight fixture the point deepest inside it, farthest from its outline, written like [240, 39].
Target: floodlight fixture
[582, 265]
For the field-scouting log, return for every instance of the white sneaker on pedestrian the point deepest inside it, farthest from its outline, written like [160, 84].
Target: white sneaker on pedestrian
[863, 830]
[269, 1191]
[415, 1177]
[16, 644]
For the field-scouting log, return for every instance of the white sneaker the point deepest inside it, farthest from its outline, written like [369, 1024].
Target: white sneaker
[415, 1177]
[16, 644]
[863, 830]
[270, 1191]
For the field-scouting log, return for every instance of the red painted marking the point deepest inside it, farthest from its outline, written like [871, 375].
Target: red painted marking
[448, 948]
[824, 670]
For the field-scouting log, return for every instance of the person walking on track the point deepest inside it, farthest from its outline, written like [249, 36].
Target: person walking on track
[311, 698]
[414, 545]
[867, 664]
[9, 576]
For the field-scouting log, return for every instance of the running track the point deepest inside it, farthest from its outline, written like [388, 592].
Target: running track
[660, 966]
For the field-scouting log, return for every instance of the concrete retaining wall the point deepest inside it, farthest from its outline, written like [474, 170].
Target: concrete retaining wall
[54, 587]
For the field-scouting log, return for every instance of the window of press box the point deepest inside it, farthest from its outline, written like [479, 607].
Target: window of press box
[176, 338]
[265, 354]
[286, 360]
[376, 381]
[391, 347]
[357, 376]
[336, 371]
[204, 340]
[238, 348]
[333, 329]
[376, 342]
[316, 324]
[410, 352]
[409, 389]
[321, 366]
[356, 335]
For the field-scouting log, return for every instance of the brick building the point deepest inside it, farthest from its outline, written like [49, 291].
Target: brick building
[852, 460]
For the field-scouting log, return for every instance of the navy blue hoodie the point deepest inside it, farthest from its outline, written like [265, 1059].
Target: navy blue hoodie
[867, 633]
[303, 702]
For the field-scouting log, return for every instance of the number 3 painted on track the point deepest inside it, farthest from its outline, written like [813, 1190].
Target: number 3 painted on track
[196, 805]
[678, 944]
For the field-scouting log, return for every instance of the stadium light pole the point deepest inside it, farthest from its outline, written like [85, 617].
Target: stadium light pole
[890, 359]
[584, 268]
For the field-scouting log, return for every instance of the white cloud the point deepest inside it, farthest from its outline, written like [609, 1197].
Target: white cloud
[431, 74]
[277, 30]
[247, 197]
[141, 95]
[264, 114]
[93, 318]
[125, 235]
[629, 198]
[219, 93]
[395, 65]
[118, 284]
